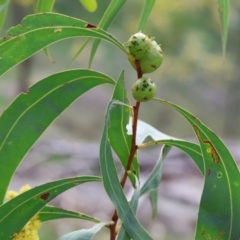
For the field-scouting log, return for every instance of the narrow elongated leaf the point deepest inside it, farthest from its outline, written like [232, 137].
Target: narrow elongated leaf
[154, 179]
[145, 130]
[79, 51]
[52, 213]
[155, 176]
[27, 204]
[84, 234]
[219, 211]
[3, 11]
[191, 149]
[113, 8]
[44, 6]
[123, 235]
[30, 114]
[40, 30]
[119, 139]
[90, 5]
[153, 196]
[223, 8]
[147, 9]
[114, 189]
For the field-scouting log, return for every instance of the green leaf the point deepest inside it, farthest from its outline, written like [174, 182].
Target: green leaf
[40, 30]
[147, 9]
[155, 176]
[52, 213]
[79, 51]
[23, 207]
[113, 8]
[84, 234]
[89, 5]
[119, 139]
[153, 196]
[123, 235]
[154, 179]
[219, 211]
[191, 149]
[30, 114]
[223, 8]
[114, 189]
[3, 11]
[44, 6]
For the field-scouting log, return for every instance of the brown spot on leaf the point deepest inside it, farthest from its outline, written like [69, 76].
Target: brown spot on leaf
[45, 196]
[89, 25]
[215, 157]
[219, 235]
[202, 234]
[209, 172]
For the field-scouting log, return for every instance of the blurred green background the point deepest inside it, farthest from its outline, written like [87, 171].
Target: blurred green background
[194, 73]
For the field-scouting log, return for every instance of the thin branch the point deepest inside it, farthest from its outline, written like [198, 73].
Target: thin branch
[133, 150]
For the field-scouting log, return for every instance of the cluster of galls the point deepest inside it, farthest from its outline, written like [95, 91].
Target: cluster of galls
[149, 55]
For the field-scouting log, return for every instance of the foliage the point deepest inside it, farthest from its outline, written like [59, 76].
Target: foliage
[30, 114]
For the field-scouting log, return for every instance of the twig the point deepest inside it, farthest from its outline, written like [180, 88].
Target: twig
[133, 150]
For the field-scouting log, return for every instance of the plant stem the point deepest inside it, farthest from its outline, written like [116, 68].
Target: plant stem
[133, 150]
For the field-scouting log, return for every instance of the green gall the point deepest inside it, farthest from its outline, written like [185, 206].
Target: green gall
[143, 89]
[151, 61]
[138, 45]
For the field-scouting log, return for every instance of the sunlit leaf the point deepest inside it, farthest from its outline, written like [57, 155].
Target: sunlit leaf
[119, 139]
[114, 189]
[223, 8]
[29, 115]
[27, 204]
[219, 211]
[44, 29]
[147, 9]
[113, 8]
[145, 130]
[51, 213]
[90, 5]
[84, 234]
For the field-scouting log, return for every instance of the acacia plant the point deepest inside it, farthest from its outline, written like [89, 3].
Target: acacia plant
[29, 115]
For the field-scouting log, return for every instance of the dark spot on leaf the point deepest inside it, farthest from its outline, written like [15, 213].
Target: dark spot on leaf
[150, 89]
[209, 172]
[45, 196]
[145, 98]
[153, 66]
[219, 235]
[89, 25]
